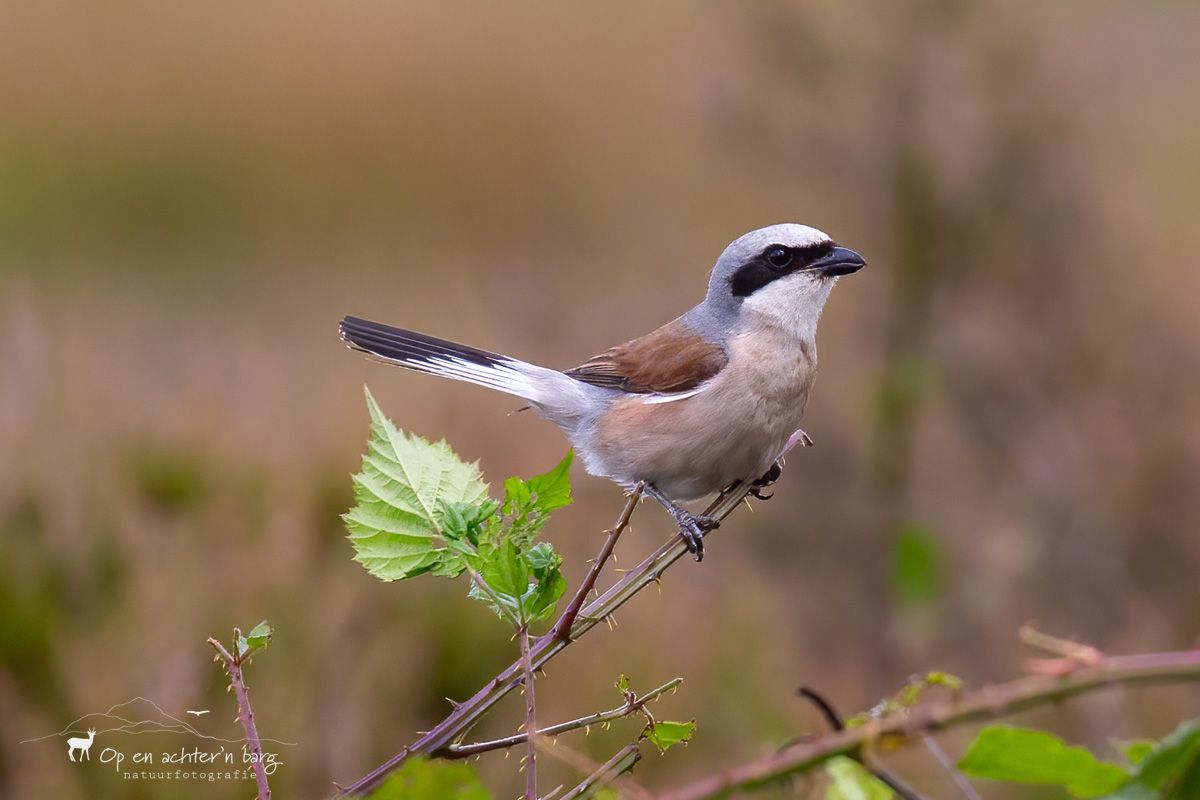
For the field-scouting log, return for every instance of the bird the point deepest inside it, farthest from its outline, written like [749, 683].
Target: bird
[197, 713]
[696, 406]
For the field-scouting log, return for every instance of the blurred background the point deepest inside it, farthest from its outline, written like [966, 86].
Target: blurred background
[1006, 420]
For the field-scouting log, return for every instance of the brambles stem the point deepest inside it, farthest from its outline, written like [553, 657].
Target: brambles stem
[615, 767]
[968, 707]
[562, 628]
[630, 707]
[530, 718]
[233, 666]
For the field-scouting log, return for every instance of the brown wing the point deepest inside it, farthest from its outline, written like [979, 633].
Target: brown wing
[671, 359]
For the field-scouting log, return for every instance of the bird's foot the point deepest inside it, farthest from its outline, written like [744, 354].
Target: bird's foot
[692, 528]
[769, 477]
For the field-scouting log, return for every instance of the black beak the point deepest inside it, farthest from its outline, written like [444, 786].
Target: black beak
[840, 261]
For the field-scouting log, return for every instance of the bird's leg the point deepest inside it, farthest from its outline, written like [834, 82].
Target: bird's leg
[692, 527]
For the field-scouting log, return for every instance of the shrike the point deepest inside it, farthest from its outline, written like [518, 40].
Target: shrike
[702, 403]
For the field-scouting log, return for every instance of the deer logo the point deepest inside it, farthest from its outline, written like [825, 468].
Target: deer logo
[82, 745]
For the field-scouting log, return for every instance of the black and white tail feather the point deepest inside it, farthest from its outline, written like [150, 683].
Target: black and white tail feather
[555, 394]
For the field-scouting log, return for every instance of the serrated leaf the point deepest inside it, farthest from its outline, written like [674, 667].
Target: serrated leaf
[257, 639]
[552, 490]
[504, 606]
[527, 504]
[504, 569]
[422, 779]
[408, 493]
[543, 560]
[849, 781]
[665, 734]
[1024, 755]
[542, 599]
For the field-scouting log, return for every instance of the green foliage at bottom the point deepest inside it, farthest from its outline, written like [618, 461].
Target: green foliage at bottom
[1166, 770]
[848, 780]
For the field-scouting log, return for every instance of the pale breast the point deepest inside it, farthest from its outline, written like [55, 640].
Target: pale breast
[730, 430]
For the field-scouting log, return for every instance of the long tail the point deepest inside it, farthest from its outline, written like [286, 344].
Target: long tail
[423, 353]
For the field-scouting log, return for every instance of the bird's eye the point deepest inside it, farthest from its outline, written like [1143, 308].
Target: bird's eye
[779, 257]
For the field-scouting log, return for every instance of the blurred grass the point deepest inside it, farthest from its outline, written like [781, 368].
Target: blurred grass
[189, 199]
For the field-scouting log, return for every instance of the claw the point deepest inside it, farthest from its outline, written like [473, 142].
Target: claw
[692, 528]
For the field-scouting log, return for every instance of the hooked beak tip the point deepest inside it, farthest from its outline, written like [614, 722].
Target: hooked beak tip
[840, 261]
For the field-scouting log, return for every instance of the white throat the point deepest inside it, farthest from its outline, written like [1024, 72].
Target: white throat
[792, 304]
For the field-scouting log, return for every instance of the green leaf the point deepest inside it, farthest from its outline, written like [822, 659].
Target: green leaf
[504, 569]
[917, 569]
[623, 684]
[849, 781]
[422, 779]
[527, 504]
[543, 560]
[504, 606]
[1171, 758]
[542, 599]
[1023, 755]
[552, 490]
[409, 494]
[665, 734]
[257, 639]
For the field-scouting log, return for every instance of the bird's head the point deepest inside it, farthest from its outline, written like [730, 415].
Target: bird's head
[783, 272]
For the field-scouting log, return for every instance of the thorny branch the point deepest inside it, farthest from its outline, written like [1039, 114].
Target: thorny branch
[649, 571]
[616, 766]
[530, 717]
[632, 705]
[562, 628]
[930, 717]
[233, 666]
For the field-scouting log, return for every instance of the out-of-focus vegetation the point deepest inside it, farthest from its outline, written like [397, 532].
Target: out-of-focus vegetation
[190, 197]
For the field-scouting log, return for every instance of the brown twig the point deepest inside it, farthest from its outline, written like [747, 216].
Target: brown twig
[966, 708]
[233, 666]
[631, 706]
[562, 628]
[609, 771]
[530, 717]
